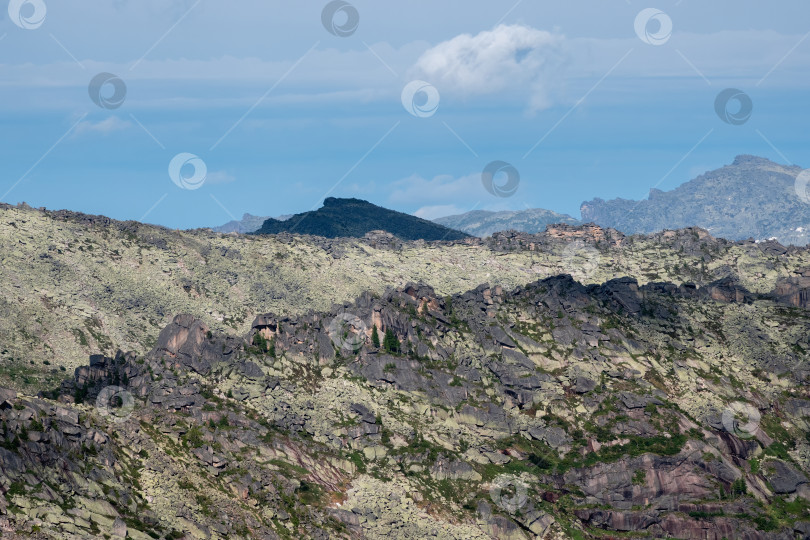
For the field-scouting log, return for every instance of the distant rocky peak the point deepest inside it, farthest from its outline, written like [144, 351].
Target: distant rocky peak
[753, 197]
[755, 163]
[746, 160]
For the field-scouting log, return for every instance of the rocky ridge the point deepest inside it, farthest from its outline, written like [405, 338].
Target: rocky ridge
[550, 410]
[94, 285]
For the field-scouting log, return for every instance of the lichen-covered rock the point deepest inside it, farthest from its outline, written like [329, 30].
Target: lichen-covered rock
[666, 396]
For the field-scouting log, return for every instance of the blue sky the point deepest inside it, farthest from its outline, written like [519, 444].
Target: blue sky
[283, 113]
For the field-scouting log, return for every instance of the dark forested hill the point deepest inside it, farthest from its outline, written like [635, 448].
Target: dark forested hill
[354, 218]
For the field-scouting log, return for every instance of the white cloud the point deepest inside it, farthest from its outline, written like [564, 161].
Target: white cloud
[444, 195]
[438, 211]
[105, 127]
[443, 189]
[510, 64]
[219, 177]
[492, 62]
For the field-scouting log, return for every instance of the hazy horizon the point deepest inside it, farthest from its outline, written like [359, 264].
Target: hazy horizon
[284, 113]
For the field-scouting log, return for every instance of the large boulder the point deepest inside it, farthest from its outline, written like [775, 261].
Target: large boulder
[7, 398]
[783, 477]
[185, 341]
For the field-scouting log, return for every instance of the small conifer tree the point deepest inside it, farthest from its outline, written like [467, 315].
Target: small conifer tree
[375, 337]
[390, 342]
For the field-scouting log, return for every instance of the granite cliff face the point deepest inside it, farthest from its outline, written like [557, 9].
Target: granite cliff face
[751, 198]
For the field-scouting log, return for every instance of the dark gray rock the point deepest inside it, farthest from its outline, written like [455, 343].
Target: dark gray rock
[251, 370]
[554, 436]
[7, 398]
[365, 414]
[783, 477]
[501, 337]
[636, 401]
[583, 385]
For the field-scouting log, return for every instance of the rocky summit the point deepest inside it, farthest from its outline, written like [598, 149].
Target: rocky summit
[751, 198]
[577, 383]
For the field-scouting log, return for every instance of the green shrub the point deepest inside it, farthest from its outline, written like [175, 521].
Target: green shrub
[184, 483]
[193, 437]
[539, 461]
[16, 488]
[260, 341]
[357, 459]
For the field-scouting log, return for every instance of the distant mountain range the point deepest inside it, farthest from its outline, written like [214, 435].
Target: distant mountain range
[751, 198]
[482, 223]
[354, 218]
[248, 224]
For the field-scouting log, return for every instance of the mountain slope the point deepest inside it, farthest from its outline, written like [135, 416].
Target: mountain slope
[553, 410]
[355, 218]
[482, 223]
[751, 198]
[664, 393]
[92, 285]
